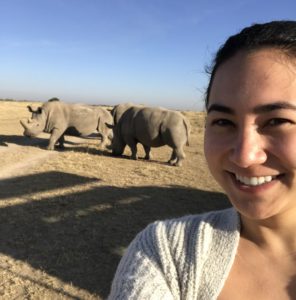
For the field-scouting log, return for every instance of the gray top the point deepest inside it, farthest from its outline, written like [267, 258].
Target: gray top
[185, 258]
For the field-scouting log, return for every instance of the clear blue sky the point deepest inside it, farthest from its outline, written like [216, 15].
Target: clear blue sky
[113, 51]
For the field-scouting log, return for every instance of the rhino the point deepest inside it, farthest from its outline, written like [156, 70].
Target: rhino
[151, 127]
[59, 119]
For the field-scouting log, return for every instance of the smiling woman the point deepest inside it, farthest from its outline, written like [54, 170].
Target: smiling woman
[250, 140]
[251, 131]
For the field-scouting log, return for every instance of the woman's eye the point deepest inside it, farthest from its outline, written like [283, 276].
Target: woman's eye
[222, 122]
[278, 121]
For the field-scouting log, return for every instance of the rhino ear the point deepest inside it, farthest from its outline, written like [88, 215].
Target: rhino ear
[30, 108]
[111, 110]
[38, 110]
[109, 125]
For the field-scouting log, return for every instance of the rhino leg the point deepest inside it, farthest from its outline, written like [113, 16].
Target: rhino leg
[147, 152]
[103, 141]
[133, 146]
[177, 157]
[61, 141]
[180, 157]
[55, 136]
[173, 158]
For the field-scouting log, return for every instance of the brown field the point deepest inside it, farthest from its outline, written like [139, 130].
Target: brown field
[67, 216]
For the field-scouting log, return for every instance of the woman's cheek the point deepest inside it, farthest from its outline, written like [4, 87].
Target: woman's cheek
[287, 152]
[212, 147]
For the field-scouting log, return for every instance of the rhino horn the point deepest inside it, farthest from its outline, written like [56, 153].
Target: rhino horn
[24, 123]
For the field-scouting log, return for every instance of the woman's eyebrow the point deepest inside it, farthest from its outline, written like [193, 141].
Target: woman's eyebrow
[274, 106]
[257, 110]
[220, 108]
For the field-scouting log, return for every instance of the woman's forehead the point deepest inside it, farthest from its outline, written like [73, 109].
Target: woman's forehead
[260, 76]
[256, 62]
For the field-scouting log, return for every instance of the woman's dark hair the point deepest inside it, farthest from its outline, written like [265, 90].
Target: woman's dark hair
[276, 34]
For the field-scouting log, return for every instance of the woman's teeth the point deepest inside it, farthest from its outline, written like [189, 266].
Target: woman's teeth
[253, 181]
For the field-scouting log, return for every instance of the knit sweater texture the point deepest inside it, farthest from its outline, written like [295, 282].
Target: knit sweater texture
[185, 258]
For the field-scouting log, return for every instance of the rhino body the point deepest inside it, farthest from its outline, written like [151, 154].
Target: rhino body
[59, 119]
[151, 127]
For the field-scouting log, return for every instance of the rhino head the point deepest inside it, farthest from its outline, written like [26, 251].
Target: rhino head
[36, 124]
[117, 145]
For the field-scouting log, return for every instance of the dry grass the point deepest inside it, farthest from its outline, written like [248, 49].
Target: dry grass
[67, 216]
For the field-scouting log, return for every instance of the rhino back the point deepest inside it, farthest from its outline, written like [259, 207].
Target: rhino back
[156, 127]
[143, 125]
[83, 118]
[120, 109]
[75, 119]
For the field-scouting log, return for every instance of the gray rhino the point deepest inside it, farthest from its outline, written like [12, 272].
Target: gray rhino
[152, 127]
[59, 119]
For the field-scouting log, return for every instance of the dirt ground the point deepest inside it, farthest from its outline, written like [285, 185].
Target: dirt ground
[67, 216]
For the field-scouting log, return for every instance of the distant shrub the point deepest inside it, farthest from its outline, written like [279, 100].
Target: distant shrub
[7, 100]
[53, 99]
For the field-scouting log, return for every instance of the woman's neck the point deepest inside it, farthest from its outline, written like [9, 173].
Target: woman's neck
[275, 235]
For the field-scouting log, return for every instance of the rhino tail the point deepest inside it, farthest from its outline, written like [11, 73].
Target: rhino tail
[187, 126]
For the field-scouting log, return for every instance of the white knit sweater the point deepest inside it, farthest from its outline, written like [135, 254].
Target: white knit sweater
[185, 258]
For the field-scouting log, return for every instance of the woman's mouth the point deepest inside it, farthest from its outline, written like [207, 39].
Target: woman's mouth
[254, 180]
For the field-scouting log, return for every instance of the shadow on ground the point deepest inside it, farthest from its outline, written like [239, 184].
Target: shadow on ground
[78, 237]
[73, 146]
[43, 142]
[22, 140]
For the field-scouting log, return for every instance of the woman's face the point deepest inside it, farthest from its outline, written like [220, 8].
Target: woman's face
[250, 137]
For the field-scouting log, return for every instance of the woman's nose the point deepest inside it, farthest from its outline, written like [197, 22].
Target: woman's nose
[248, 149]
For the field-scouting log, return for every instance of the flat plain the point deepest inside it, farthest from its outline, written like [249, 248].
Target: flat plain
[67, 216]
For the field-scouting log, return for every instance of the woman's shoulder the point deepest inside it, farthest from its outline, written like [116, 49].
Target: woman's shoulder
[226, 219]
[181, 232]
